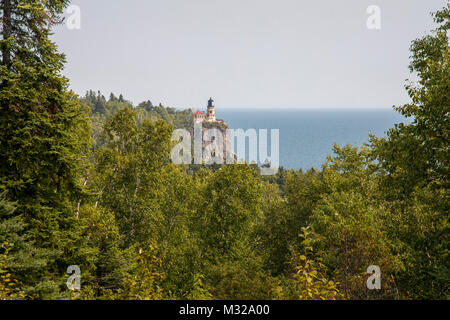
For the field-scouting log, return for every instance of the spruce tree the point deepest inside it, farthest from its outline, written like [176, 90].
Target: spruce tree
[20, 260]
[45, 139]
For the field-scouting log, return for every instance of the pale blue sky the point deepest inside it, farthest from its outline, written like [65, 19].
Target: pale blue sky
[245, 53]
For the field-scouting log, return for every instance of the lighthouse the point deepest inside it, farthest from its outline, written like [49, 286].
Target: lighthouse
[209, 116]
[210, 112]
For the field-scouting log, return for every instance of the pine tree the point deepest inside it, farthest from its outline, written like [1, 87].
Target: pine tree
[112, 97]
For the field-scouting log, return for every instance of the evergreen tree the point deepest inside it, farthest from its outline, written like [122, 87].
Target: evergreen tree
[45, 138]
[19, 258]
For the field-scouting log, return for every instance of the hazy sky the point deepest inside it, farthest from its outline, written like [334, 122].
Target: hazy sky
[245, 53]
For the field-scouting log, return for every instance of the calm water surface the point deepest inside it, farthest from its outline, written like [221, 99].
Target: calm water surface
[307, 135]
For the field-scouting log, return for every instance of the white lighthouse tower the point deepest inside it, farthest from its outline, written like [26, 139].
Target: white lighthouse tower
[210, 113]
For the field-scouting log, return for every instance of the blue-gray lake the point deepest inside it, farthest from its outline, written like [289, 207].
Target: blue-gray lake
[307, 135]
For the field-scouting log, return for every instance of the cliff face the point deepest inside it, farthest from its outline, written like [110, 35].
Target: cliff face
[216, 144]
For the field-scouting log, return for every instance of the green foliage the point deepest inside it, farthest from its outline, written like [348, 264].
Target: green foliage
[199, 292]
[45, 140]
[144, 282]
[109, 200]
[14, 248]
[308, 280]
[230, 209]
[110, 264]
[128, 169]
[103, 110]
[276, 232]
[241, 278]
[226, 222]
[10, 289]
[414, 169]
[341, 205]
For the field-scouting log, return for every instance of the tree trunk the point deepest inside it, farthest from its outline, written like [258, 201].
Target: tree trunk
[6, 24]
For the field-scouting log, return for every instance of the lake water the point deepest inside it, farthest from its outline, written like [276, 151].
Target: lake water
[307, 135]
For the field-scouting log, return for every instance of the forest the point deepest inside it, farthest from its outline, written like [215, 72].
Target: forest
[88, 181]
